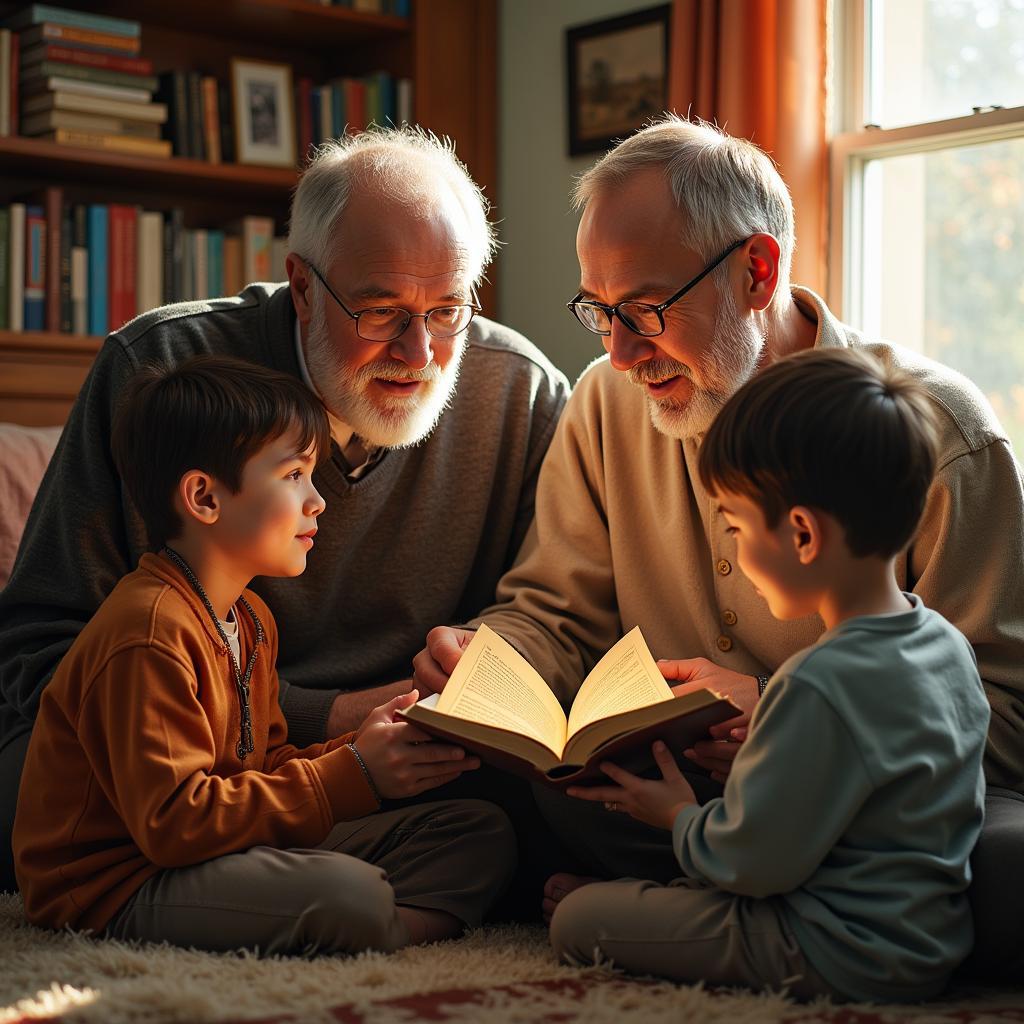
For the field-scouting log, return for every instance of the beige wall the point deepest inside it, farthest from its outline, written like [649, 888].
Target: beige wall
[537, 271]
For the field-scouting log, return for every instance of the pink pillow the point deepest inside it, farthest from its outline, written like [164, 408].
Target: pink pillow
[24, 454]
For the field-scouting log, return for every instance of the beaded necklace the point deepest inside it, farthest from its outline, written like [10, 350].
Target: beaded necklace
[245, 740]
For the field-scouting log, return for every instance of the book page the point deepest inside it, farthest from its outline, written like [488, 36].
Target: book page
[625, 678]
[495, 685]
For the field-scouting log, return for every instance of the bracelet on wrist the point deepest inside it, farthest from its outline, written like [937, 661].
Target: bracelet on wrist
[366, 773]
[762, 684]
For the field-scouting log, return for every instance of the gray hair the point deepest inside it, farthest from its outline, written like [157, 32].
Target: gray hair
[725, 188]
[407, 164]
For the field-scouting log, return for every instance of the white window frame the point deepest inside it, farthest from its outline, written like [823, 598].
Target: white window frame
[855, 144]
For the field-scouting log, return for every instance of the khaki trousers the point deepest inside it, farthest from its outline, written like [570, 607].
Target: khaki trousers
[686, 933]
[455, 856]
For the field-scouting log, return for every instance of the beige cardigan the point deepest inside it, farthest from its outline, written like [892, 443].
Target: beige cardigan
[625, 535]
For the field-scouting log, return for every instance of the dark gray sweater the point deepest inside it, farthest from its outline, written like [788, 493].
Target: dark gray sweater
[419, 541]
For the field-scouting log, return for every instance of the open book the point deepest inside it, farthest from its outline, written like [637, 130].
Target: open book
[498, 707]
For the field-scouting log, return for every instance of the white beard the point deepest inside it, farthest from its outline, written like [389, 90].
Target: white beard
[382, 421]
[732, 359]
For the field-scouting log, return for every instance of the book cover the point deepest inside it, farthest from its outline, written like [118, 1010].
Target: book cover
[496, 706]
[149, 251]
[80, 268]
[42, 86]
[121, 264]
[16, 267]
[98, 76]
[53, 214]
[50, 120]
[34, 301]
[67, 231]
[154, 113]
[104, 42]
[59, 54]
[173, 94]
[233, 276]
[5, 81]
[257, 239]
[211, 119]
[5, 268]
[215, 263]
[188, 279]
[227, 125]
[37, 14]
[304, 117]
[200, 264]
[79, 290]
[196, 139]
[98, 269]
[114, 143]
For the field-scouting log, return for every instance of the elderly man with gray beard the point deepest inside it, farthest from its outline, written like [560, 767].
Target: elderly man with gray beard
[685, 246]
[440, 421]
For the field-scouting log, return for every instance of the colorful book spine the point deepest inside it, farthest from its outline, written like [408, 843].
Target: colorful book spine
[55, 53]
[149, 254]
[101, 76]
[66, 238]
[38, 14]
[98, 313]
[304, 117]
[5, 268]
[16, 265]
[80, 269]
[121, 266]
[227, 124]
[5, 81]
[173, 94]
[215, 263]
[103, 42]
[211, 119]
[53, 210]
[35, 268]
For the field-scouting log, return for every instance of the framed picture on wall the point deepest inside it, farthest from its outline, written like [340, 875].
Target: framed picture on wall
[618, 76]
[264, 122]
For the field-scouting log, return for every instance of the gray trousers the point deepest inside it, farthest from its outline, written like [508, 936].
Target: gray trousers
[454, 856]
[612, 845]
[686, 933]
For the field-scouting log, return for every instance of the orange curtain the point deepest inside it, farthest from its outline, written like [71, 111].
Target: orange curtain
[757, 69]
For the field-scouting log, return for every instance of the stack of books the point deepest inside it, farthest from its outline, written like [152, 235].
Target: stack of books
[83, 83]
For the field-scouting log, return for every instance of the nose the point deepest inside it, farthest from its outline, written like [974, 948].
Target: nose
[414, 345]
[625, 347]
[314, 503]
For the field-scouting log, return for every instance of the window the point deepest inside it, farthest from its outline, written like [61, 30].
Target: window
[927, 209]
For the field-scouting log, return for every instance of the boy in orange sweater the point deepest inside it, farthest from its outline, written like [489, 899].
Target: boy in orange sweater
[160, 799]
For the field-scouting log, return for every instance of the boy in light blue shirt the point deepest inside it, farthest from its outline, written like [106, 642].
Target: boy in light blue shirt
[837, 860]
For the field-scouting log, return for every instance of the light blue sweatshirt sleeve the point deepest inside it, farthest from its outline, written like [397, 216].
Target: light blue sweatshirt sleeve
[781, 812]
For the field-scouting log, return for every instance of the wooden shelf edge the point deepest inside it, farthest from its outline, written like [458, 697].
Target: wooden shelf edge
[25, 153]
[50, 342]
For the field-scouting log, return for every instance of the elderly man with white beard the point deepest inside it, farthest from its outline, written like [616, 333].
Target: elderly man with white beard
[685, 246]
[440, 420]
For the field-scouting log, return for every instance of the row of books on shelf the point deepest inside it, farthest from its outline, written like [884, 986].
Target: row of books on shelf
[79, 79]
[90, 268]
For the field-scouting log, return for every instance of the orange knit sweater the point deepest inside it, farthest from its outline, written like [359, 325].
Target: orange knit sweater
[133, 767]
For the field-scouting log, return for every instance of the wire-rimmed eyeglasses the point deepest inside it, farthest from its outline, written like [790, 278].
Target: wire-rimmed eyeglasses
[640, 317]
[386, 323]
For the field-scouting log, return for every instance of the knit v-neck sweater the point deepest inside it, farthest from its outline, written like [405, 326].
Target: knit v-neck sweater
[419, 540]
[133, 764]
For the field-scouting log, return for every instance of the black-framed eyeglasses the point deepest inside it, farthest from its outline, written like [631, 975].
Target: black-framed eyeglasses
[640, 317]
[386, 323]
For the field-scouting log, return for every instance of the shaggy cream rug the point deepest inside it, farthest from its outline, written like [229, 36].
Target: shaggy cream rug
[504, 975]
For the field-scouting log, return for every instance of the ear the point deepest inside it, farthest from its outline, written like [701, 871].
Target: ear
[806, 529]
[761, 270]
[197, 492]
[300, 279]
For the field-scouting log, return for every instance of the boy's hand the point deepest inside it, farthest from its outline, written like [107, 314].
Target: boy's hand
[654, 801]
[437, 661]
[403, 760]
[717, 754]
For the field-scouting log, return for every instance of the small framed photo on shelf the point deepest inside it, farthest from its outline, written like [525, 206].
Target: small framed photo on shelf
[264, 112]
[618, 76]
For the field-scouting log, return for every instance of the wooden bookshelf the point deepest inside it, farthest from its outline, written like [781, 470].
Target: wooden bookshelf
[447, 47]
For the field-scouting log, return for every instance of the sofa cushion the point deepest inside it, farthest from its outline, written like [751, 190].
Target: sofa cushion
[24, 454]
